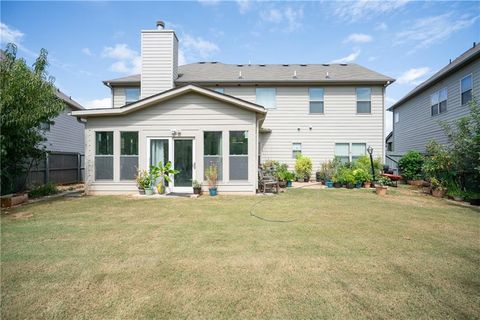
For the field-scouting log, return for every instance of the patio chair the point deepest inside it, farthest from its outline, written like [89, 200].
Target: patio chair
[266, 181]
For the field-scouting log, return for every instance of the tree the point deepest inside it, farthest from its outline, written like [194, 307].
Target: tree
[464, 136]
[27, 99]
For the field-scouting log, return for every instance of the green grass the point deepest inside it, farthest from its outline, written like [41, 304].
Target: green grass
[347, 254]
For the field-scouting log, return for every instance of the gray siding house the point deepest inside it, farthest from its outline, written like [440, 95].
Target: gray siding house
[443, 97]
[232, 115]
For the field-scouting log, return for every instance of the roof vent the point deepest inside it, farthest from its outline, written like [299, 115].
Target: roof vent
[327, 76]
[261, 65]
[343, 64]
[294, 74]
[325, 65]
[285, 65]
[239, 65]
[213, 62]
[303, 65]
[201, 62]
[240, 75]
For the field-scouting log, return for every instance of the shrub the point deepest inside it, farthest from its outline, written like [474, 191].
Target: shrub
[144, 179]
[212, 175]
[303, 166]
[363, 162]
[438, 164]
[384, 181]
[43, 190]
[361, 175]
[411, 165]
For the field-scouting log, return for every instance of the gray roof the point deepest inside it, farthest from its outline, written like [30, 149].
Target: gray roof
[465, 58]
[68, 100]
[220, 73]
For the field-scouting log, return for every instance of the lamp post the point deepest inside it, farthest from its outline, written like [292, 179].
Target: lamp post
[370, 152]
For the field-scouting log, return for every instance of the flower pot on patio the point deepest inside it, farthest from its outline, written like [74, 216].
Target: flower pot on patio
[282, 183]
[197, 190]
[458, 198]
[149, 191]
[367, 184]
[141, 191]
[337, 185]
[14, 199]
[329, 184]
[350, 185]
[212, 191]
[289, 184]
[439, 192]
[427, 190]
[358, 185]
[381, 190]
[417, 183]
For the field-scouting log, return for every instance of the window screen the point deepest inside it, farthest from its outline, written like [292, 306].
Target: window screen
[128, 155]
[316, 100]
[266, 97]
[104, 155]
[238, 155]
[466, 89]
[212, 151]
[296, 149]
[342, 151]
[358, 149]
[364, 103]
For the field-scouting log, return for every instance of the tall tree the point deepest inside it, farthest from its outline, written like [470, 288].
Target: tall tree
[27, 99]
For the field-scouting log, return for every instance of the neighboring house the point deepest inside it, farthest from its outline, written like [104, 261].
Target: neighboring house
[443, 97]
[389, 142]
[67, 134]
[233, 116]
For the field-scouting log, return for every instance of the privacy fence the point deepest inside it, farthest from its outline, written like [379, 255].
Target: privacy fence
[58, 168]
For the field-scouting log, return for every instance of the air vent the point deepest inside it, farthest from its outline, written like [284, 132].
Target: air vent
[239, 65]
[202, 62]
[285, 65]
[261, 65]
[343, 64]
[303, 65]
[213, 62]
[325, 65]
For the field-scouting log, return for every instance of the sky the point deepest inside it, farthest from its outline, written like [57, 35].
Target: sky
[92, 41]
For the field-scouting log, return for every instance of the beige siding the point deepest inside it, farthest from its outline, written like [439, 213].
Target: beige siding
[157, 62]
[339, 123]
[190, 113]
[118, 97]
[416, 127]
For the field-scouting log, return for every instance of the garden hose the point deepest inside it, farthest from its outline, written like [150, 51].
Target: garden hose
[252, 208]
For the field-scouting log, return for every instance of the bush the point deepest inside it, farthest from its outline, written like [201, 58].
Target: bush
[438, 164]
[303, 166]
[361, 175]
[44, 190]
[363, 162]
[411, 165]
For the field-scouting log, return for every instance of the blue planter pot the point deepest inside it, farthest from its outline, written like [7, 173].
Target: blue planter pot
[329, 184]
[149, 192]
[212, 191]
[289, 184]
[358, 185]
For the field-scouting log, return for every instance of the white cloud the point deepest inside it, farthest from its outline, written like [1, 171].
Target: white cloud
[382, 26]
[292, 18]
[181, 57]
[413, 75]
[427, 31]
[195, 47]
[98, 103]
[390, 101]
[209, 2]
[243, 5]
[87, 52]
[350, 58]
[365, 9]
[127, 60]
[358, 38]
[9, 34]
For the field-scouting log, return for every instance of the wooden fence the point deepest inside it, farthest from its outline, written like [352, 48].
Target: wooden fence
[58, 168]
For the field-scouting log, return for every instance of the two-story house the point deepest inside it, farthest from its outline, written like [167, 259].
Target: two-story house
[444, 97]
[232, 115]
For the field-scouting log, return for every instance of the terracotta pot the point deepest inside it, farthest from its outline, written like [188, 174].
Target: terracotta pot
[439, 193]
[458, 198]
[14, 199]
[197, 190]
[282, 184]
[350, 185]
[381, 190]
[417, 183]
[367, 184]
[141, 191]
[337, 185]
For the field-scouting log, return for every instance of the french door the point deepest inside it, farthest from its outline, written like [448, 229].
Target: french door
[180, 152]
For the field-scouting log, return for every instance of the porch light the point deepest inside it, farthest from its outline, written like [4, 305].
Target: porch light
[370, 152]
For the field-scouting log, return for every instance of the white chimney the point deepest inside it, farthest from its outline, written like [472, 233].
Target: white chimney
[159, 60]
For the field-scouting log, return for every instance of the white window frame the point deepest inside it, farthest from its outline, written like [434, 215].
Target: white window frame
[294, 144]
[461, 92]
[274, 97]
[357, 100]
[437, 104]
[350, 147]
[310, 100]
[125, 91]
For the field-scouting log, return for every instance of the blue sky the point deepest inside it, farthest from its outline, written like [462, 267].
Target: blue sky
[93, 41]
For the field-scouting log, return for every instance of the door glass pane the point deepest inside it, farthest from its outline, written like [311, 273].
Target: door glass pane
[183, 161]
[158, 151]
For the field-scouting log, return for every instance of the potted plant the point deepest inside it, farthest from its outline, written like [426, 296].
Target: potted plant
[382, 186]
[303, 168]
[212, 175]
[289, 177]
[361, 177]
[144, 181]
[197, 187]
[438, 190]
[349, 178]
[161, 173]
[281, 173]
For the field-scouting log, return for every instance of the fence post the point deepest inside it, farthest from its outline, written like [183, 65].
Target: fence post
[47, 168]
[79, 167]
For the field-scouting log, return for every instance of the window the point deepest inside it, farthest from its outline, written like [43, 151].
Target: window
[364, 103]
[266, 97]
[296, 149]
[238, 155]
[212, 151]
[358, 150]
[221, 90]
[466, 89]
[128, 155]
[389, 146]
[104, 155]
[132, 95]
[342, 151]
[396, 116]
[438, 102]
[316, 100]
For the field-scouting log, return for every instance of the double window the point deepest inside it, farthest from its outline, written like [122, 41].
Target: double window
[364, 100]
[266, 97]
[466, 89]
[212, 151]
[347, 152]
[438, 102]
[128, 155]
[238, 155]
[104, 155]
[132, 95]
[316, 100]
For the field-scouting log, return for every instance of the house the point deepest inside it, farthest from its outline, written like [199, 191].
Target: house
[234, 116]
[444, 97]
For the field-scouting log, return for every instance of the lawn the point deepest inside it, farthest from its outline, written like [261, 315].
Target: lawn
[345, 254]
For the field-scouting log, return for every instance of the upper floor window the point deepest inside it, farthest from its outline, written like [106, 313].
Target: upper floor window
[439, 102]
[466, 89]
[221, 90]
[364, 100]
[396, 116]
[131, 95]
[316, 100]
[266, 97]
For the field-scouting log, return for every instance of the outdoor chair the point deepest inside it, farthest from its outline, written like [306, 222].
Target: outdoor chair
[266, 181]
